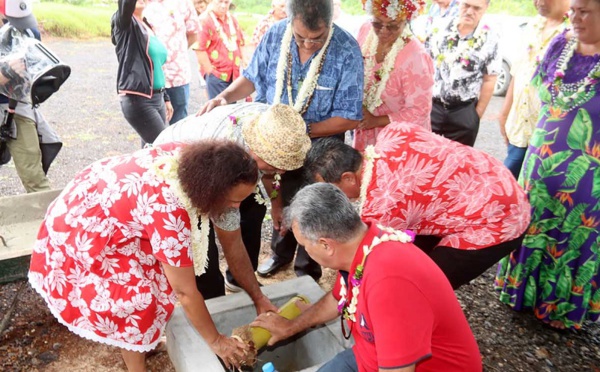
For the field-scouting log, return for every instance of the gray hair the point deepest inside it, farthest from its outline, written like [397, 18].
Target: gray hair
[311, 12]
[322, 210]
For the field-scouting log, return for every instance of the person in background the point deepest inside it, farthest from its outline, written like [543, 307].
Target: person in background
[440, 13]
[219, 51]
[467, 60]
[200, 6]
[555, 272]
[312, 65]
[176, 24]
[144, 101]
[398, 71]
[122, 242]
[392, 298]
[276, 14]
[522, 105]
[463, 204]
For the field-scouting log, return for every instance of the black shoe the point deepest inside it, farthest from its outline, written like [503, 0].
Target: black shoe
[300, 273]
[270, 266]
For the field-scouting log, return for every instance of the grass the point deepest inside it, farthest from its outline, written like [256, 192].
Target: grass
[65, 20]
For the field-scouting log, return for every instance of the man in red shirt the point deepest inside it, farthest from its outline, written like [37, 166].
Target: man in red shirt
[219, 50]
[397, 303]
[465, 207]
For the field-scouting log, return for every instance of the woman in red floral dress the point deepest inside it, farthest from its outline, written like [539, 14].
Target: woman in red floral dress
[122, 243]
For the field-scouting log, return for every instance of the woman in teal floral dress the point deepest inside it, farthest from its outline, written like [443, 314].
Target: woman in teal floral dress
[555, 271]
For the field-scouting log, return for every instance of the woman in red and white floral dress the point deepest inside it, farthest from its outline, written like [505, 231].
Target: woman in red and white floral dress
[122, 242]
[398, 71]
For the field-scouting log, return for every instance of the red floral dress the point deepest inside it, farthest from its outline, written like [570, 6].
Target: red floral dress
[434, 186]
[97, 258]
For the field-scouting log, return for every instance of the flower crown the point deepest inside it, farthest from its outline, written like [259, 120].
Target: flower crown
[394, 9]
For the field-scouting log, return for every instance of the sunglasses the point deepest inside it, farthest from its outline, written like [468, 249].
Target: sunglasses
[378, 26]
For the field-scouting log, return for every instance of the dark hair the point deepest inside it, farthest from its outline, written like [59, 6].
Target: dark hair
[209, 169]
[330, 158]
[311, 12]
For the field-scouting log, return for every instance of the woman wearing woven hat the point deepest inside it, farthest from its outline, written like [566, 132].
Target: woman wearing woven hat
[398, 71]
[264, 131]
[124, 239]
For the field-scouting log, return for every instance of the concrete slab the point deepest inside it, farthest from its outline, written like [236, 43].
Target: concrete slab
[306, 351]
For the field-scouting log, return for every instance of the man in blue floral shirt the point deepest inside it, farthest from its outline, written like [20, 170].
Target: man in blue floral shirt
[467, 62]
[321, 65]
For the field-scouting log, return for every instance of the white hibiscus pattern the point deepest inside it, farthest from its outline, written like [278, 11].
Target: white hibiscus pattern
[434, 186]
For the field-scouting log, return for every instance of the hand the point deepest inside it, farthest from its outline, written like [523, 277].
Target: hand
[230, 350]
[17, 65]
[277, 216]
[264, 305]
[278, 326]
[169, 108]
[211, 104]
[479, 111]
[368, 121]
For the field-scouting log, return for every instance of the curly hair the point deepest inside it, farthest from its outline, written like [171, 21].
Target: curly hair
[208, 170]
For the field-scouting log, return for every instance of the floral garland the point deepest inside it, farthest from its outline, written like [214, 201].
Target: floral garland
[166, 168]
[370, 155]
[569, 96]
[309, 85]
[229, 41]
[349, 309]
[274, 193]
[394, 9]
[538, 28]
[463, 50]
[374, 90]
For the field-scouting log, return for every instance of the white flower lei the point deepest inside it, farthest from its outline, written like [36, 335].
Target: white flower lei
[372, 97]
[390, 235]
[165, 167]
[309, 85]
[370, 156]
[461, 50]
[229, 41]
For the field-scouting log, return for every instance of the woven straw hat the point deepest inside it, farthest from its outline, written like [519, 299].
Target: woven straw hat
[278, 136]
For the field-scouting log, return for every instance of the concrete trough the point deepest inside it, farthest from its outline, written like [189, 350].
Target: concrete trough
[305, 352]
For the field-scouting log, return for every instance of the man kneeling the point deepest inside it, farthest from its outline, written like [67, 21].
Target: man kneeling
[396, 302]
[465, 207]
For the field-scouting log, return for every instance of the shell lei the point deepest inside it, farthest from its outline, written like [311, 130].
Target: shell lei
[229, 41]
[309, 85]
[165, 167]
[463, 50]
[370, 156]
[348, 310]
[372, 97]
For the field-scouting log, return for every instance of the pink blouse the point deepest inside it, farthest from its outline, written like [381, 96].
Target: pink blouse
[408, 92]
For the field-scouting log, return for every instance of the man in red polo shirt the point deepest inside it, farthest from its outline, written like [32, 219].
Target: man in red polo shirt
[397, 303]
[465, 207]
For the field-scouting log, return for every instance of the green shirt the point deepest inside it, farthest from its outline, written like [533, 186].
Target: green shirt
[158, 54]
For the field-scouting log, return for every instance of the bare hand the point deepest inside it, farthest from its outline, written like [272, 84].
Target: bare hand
[264, 305]
[169, 108]
[479, 112]
[211, 104]
[277, 326]
[368, 121]
[230, 350]
[17, 65]
[277, 216]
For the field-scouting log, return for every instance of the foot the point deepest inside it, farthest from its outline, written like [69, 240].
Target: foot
[270, 266]
[557, 324]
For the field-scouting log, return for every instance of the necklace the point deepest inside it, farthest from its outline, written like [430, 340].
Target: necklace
[370, 155]
[165, 167]
[458, 50]
[572, 95]
[276, 186]
[284, 65]
[231, 40]
[375, 84]
[348, 308]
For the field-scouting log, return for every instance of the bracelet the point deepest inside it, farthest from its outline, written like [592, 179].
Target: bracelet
[308, 129]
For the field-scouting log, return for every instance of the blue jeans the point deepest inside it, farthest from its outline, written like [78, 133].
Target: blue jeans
[214, 85]
[514, 159]
[179, 99]
[342, 362]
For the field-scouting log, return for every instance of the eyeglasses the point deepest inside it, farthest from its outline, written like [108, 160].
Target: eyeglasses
[378, 26]
[302, 41]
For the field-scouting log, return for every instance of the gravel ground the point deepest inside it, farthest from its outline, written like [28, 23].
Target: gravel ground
[87, 115]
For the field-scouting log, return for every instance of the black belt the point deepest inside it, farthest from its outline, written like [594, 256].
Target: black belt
[155, 91]
[453, 105]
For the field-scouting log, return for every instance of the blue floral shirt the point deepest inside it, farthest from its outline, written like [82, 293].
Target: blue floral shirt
[339, 91]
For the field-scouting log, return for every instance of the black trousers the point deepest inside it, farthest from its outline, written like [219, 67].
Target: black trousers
[458, 122]
[461, 266]
[211, 284]
[285, 247]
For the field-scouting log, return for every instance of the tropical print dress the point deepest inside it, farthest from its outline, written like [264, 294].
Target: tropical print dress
[97, 258]
[555, 271]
